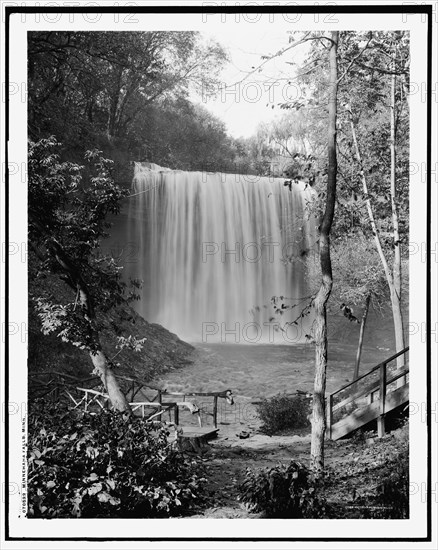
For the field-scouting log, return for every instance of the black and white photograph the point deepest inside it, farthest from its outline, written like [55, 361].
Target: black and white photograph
[220, 266]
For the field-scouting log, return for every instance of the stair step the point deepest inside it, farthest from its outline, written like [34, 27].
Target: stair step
[363, 415]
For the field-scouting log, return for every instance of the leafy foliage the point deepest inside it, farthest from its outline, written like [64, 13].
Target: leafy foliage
[367, 62]
[161, 133]
[283, 412]
[114, 75]
[123, 92]
[357, 272]
[296, 141]
[68, 209]
[84, 465]
[285, 491]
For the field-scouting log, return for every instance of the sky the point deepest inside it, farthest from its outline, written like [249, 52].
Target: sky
[244, 100]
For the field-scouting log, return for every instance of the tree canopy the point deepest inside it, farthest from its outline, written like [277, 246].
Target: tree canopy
[103, 88]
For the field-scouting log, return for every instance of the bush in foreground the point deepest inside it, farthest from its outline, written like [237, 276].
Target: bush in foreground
[282, 492]
[283, 412]
[84, 465]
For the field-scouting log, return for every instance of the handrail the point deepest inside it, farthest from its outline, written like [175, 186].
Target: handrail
[225, 394]
[204, 394]
[166, 405]
[381, 385]
[372, 370]
[89, 390]
[372, 388]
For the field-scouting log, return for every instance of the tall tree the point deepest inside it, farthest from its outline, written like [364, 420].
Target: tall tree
[103, 80]
[377, 173]
[364, 62]
[387, 235]
[320, 301]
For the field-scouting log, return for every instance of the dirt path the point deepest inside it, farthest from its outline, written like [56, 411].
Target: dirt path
[226, 462]
[356, 469]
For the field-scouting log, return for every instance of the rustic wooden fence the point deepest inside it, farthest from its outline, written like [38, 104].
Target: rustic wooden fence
[143, 397]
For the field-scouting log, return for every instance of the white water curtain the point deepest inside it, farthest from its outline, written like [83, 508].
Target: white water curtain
[214, 248]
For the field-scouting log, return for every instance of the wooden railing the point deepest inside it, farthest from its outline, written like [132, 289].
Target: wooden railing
[355, 394]
[161, 401]
[227, 394]
[52, 385]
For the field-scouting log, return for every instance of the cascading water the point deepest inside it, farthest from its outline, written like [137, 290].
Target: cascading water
[214, 248]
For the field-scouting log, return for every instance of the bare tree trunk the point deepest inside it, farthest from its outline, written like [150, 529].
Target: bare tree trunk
[320, 336]
[396, 267]
[320, 325]
[393, 279]
[361, 334]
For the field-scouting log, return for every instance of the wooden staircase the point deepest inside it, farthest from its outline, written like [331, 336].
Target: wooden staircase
[374, 394]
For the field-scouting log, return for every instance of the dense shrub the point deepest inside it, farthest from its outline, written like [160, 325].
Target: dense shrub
[283, 412]
[102, 465]
[282, 492]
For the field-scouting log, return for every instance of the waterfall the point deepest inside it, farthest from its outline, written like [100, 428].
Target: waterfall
[214, 248]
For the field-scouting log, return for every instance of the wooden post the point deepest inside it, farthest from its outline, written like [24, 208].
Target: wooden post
[215, 411]
[160, 400]
[329, 416]
[381, 419]
[176, 414]
[403, 378]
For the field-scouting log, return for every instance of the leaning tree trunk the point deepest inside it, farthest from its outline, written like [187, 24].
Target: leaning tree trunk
[109, 381]
[100, 362]
[73, 277]
[320, 325]
[101, 365]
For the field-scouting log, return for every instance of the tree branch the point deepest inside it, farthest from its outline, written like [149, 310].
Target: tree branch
[354, 60]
